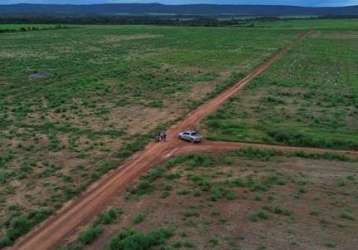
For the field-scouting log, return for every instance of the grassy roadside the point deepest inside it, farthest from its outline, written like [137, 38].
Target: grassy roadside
[309, 98]
[220, 201]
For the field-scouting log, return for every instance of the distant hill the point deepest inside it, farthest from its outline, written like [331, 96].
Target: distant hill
[160, 9]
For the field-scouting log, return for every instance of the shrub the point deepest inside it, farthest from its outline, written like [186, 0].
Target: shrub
[183, 191]
[331, 244]
[273, 100]
[325, 156]
[200, 161]
[177, 244]
[315, 212]
[130, 239]
[258, 215]
[5, 175]
[259, 184]
[238, 182]
[38, 215]
[54, 142]
[216, 193]
[133, 146]
[106, 166]
[18, 227]
[252, 153]
[280, 211]
[214, 242]
[138, 218]
[347, 216]
[165, 194]
[5, 241]
[230, 195]
[156, 104]
[188, 244]
[202, 182]
[109, 216]
[173, 176]
[89, 235]
[297, 138]
[350, 178]
[341, 183]
[155, 174]
[5, 158]
[144, 187]
[15, 226]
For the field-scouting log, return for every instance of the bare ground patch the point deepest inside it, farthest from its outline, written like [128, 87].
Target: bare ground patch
[109, 39]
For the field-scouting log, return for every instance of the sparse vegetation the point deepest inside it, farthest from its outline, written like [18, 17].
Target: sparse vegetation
[260, 188]
[108, 217]
[92, 98]
[83, 107]
[139, 218]
[346, 215]
[131, 239]
[92, 232]
[309, 98]
[258, 215]
[18, 224]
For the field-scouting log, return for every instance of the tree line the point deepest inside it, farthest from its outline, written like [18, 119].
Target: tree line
[60, 22]
[32, 28]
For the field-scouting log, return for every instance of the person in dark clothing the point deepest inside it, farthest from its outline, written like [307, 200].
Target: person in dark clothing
[164, 136]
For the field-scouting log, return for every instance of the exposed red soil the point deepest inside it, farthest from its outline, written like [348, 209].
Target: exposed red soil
[95, 199]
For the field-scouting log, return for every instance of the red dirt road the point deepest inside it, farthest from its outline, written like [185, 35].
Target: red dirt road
[94, 200]
[217, 146]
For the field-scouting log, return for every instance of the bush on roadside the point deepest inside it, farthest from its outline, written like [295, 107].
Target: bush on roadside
[89, 235]
[296, 138]
[108, 217]
[130, 239]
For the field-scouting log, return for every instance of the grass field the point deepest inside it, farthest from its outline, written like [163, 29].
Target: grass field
[248, 199]
[75, 102]
[313, 24]
[309, 98]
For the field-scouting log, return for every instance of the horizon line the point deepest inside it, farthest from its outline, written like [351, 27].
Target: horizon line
[164, 4]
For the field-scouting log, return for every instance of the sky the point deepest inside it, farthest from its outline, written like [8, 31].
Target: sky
[280, 2]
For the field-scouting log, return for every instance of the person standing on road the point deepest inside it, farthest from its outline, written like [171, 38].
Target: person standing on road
[164, 137]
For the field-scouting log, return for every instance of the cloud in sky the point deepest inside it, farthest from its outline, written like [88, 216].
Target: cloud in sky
[273, 2]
